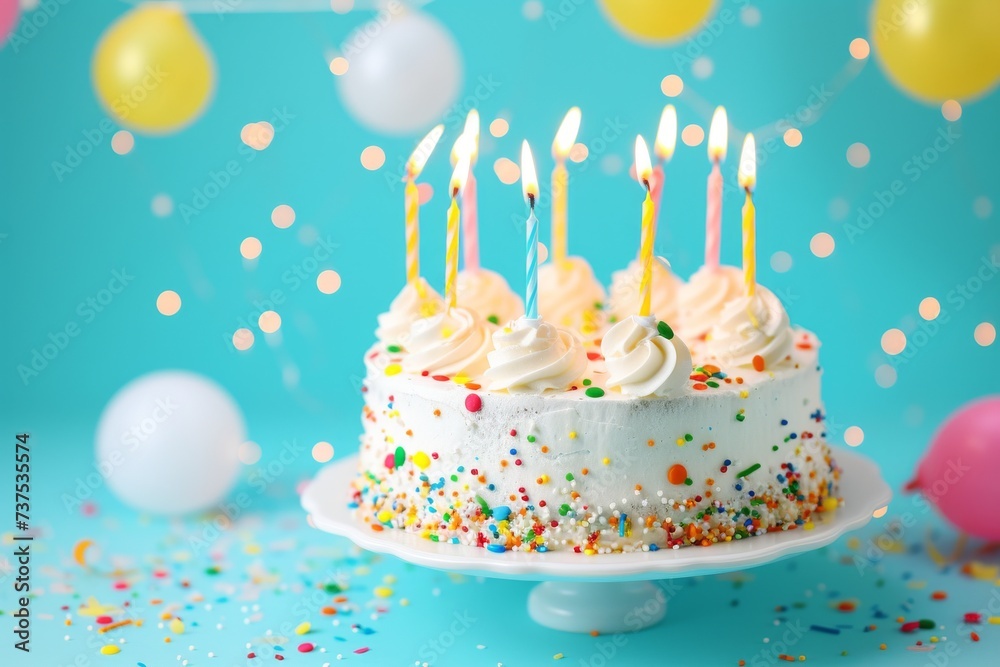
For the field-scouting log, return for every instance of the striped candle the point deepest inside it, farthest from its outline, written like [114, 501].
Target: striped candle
[529, 186]
[717, 140]
[451, 250]
[663, 148]
[411, 198]
[747, 176]
[470, 208]
[562, 145]
[643, 171]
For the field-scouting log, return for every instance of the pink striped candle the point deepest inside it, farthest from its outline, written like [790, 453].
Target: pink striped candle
[717, 140]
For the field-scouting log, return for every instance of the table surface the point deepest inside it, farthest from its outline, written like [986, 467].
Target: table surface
[245, 583]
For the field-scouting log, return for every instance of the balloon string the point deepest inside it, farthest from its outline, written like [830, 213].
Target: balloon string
[941, 560]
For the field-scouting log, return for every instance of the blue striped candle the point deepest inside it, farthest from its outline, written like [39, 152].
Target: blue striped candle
[529, 185]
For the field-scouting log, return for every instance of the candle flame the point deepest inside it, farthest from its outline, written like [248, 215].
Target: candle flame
[529, 179]
[460, 175]
[666, 134]
[718, 135]
[566, 135]
[468, 140]
[747, 174]
[643, 167]
[423, 151]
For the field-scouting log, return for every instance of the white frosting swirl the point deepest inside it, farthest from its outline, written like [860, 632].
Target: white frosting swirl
[487, 294]
[625, 295]
[704, 296]
[414, 301]
[751, 326]
[533, 355]
[569, 296]
[641, 361]
[452, 342]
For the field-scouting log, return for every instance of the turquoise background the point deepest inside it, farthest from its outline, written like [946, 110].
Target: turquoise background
[63, 239]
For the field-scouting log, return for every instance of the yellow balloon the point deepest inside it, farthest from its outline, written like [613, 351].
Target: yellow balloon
[939, 49]
[657, 20]
[152, 71]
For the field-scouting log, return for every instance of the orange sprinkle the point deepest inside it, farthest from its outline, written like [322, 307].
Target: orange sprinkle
[846, 605]
[328, 611]
[594, 633]
[881, 646]
[377, 527]
[699, 386]
[473, 386]
[585, 471]
[758, 363]
[677, 474]
[974, 637]
[503, 463]
[638, 487]
[651, 442]
[545, 449]
[437, 413]
[710, 369]
[939, 595]
[112, 626]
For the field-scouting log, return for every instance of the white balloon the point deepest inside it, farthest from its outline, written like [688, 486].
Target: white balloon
[168, 443]
[404, 74]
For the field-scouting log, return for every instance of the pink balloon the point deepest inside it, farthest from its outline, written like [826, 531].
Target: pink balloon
[9, 11]
[958, 473]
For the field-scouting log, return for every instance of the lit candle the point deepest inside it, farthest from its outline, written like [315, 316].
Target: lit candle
[561, 147]
[747, 176]
[451, 251]
[643, 171]
[529, 186]
[470, 209]
[411, 198]
[666, 140]
[717, 140]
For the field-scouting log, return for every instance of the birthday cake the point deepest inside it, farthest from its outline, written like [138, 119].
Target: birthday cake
[559, 430]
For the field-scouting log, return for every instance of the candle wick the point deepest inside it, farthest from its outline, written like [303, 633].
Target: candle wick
[454, 192]
[645, 182]
[531, 201]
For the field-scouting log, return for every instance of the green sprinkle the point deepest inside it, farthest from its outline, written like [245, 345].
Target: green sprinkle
[434, 538]
[332, 588]
[530, 535]
[569, 477]
[493, 319]
[689, 481]
[394, 348]
[587, 382]
[598, 305]
[212, 570]
[595, 392]
[487, 512]
[749, 470]
[688, 437]
[740, 416]
[927, 624]
[531, 438]
[774, 448]
[713, 385]
[564, 509]
[400, 457]
[757, 501]
[446, 516]
[664, 330]
[454, 478]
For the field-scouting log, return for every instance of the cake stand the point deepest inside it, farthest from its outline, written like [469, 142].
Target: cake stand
[608, 593]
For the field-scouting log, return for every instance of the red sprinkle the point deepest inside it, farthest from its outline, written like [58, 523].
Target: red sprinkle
[972, 617]
[473, 403]
[910, 627]
[513, 431]
[251, 655]
[758, 363]
[103, 620]
[974, 636]
[363, 649]
[594, 356]
[939, 595]
[305, 647]
[440, 378]
[278, 656]
[699, 386]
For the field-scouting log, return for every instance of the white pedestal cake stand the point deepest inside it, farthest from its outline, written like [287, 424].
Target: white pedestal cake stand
[607, 593]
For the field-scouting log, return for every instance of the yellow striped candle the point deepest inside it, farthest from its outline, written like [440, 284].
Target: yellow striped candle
[561, 147]
[747, 176]
[643, 171]
[451, 251]
[411, 197]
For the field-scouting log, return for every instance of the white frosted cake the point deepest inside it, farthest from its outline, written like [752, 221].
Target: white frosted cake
[527, 437]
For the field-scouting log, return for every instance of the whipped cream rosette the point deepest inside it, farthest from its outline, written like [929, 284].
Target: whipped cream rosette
[570, 296]
[625, 295]
[452, 342]
[704, 296]
[749, 327]
[415, 301]
[488, 295]
[533, 356]
[645, 358]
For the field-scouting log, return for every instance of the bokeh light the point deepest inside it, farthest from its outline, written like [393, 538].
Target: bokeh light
[372, 158]
[692, 135]
[507, 170]
[885, 376]
[249, 453]
[168, 302]
[339, 66]
[792, 137]
[250, 247]
[122, 142]
[672, 85]
[499, 127]
[854, 436]
[985, 334]
[328, 281]
[781, 262]
[283, 216]
[858, 155]
[322, 452]
[929, 308]
[893, 341]
[859, 48]
[269, 321]
[822, 245]
[243, 339]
